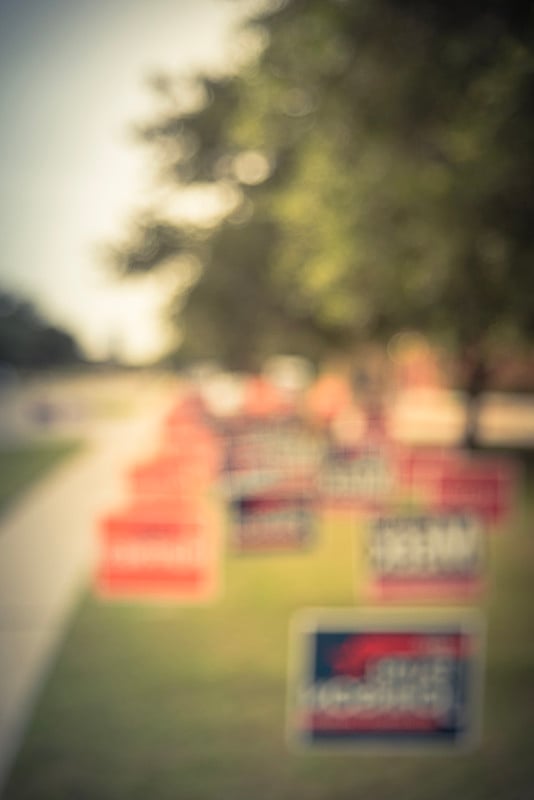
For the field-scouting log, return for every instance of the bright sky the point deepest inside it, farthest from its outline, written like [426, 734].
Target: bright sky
[72, 82]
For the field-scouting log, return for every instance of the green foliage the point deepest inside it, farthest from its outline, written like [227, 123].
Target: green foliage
[27, 340]
[383, 156]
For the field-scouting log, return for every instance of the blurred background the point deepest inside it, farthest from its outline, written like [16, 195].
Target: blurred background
[334, 195]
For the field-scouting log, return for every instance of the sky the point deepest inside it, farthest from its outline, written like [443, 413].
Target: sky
[73, 80]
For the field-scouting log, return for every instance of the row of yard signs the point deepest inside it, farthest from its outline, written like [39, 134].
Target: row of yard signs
[165, 544]
[423, 515]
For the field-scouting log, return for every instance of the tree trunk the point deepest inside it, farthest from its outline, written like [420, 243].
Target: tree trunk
[476, 383]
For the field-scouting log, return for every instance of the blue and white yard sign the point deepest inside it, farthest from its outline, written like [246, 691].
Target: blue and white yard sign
[372, 681]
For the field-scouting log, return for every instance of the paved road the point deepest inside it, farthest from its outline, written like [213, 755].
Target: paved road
[71, 405]
[47, 546]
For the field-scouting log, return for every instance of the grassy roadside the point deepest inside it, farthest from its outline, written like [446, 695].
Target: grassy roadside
[21, 466]
[189, 703]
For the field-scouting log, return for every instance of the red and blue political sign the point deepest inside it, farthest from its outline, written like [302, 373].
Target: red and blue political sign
[278, 458]
[272, 522]
[281, 444]
[363, 681]
[425, 556]
[357, 479]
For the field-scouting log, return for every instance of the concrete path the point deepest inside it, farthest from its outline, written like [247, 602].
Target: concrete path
[47, 547]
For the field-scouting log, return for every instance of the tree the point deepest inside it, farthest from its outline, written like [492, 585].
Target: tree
[382, 154]
[27, 340]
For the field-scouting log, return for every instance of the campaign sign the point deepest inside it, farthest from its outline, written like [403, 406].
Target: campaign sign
[188, 408]
[419, 469]
[193, 445]
[272, 522]
[454, 480]
[250, 445]
[357, 479]
[282, 457]
[279, 444]
[153, 552]
[486, 487]
[425, 556]
[166, 475]
[360, 681]
[243, 483]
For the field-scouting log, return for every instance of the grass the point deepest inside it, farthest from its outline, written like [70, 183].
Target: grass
[175, 703]
[22, 466]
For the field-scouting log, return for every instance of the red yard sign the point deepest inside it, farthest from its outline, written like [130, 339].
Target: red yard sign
[171, 475]
[418, 466]
[485, 488]
[159, 552]
[452, 481]
[193, 442]
[263, 399]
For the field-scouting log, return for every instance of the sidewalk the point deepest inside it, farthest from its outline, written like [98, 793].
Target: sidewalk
[47, 546]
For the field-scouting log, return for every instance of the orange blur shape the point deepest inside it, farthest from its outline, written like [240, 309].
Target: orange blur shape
[329, 396]
[263, 399]
[175, 471]
[159, 551]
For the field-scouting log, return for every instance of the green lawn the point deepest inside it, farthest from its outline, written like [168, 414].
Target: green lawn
[173, 703]
[21, 466]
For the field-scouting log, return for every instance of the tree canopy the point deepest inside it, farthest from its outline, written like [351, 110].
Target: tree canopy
[28, 340]
[379, 158]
